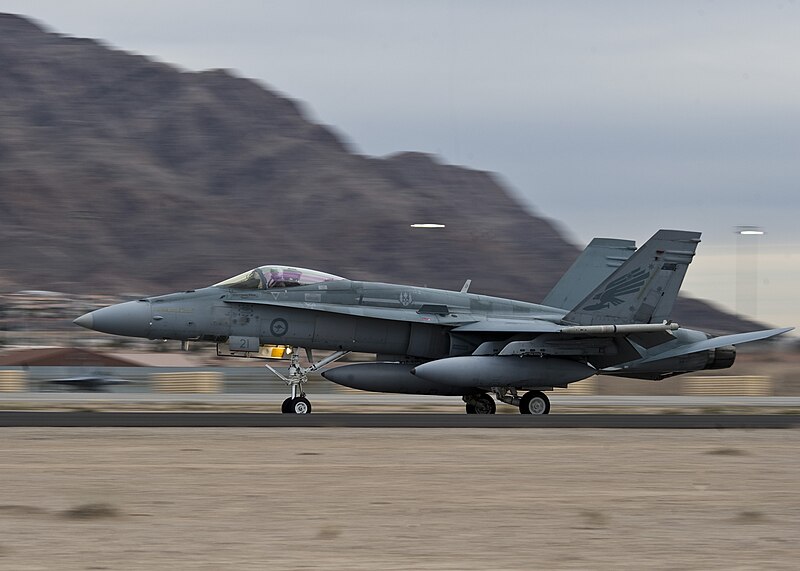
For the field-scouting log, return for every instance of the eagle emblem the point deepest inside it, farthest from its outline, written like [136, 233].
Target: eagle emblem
[630, 283]
[406, 299]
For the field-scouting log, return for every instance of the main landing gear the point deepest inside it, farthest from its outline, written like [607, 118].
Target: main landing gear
[480, 404]
[532, 402]
[297, 403]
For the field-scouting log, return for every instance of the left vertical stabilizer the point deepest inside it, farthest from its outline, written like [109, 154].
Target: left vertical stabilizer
[644, 288]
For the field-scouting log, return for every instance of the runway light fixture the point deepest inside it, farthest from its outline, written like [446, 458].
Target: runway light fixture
[427, 225]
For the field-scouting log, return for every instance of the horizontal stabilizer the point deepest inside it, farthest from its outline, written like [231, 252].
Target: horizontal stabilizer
[714, 343]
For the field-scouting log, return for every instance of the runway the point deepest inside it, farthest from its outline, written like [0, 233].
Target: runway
[381, 420]
[368, 399]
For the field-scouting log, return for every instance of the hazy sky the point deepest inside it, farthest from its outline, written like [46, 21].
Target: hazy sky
[615, 118]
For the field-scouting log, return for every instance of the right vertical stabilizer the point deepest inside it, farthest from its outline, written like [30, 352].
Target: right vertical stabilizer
[597, 261]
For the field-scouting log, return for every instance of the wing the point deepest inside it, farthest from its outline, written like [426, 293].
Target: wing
[434, 314]
[439, 314]
[509, 326]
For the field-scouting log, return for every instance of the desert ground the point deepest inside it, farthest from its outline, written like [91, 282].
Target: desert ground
[203, 499]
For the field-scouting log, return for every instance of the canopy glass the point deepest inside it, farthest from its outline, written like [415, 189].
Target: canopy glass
[270, 277]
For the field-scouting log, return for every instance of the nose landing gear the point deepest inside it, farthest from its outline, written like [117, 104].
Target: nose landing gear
[297, 403]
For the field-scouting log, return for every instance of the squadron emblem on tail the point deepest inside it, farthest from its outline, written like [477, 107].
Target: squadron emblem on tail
[632, 282]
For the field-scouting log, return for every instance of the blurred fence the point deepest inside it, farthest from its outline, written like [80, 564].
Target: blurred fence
[728, 385]
[188, 382]
[586, 387]
[13, 380]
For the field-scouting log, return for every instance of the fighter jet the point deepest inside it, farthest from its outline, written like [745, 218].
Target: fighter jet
[608, 315]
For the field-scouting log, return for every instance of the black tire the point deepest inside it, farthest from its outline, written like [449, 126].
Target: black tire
[286, 406]
[484, 404]
[300, 405]
[470, 408]
[534, 402]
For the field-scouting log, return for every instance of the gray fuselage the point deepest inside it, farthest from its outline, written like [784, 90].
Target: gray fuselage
[416, 324]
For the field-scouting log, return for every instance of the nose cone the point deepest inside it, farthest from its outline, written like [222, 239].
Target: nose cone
[86, 320]
[132, 319]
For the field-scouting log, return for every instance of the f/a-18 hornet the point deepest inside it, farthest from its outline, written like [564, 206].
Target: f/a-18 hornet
[608, 315]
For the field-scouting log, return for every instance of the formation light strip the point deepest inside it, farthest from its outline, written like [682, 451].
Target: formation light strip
[427, 226]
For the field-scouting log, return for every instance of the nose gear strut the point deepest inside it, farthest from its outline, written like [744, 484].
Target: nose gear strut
[297, 403]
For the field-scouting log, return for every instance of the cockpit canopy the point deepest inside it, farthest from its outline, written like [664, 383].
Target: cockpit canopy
[269, 277]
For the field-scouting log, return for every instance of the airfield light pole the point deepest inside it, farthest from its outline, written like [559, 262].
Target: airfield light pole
[747, 270]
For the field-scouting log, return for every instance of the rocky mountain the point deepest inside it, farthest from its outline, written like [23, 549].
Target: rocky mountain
[122, 174]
